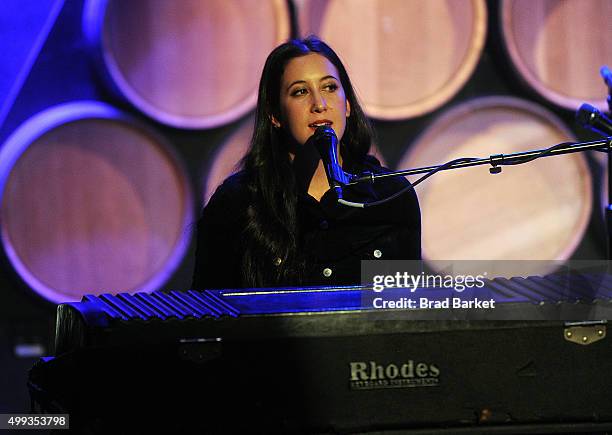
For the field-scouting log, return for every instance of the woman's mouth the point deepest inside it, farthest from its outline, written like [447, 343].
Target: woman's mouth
[316, 124]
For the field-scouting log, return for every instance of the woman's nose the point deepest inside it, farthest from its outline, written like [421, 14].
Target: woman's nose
[318, 102]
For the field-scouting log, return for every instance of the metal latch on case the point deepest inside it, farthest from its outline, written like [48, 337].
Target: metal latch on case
[585, 333]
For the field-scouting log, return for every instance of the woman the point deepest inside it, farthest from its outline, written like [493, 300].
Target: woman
[276, 223]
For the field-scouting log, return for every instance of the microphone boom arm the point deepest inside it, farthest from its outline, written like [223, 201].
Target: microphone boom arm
[495, 160]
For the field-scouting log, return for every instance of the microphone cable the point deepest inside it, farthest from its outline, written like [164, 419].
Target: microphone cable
[407, 188]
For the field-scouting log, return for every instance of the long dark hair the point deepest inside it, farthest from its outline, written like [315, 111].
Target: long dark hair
[271, 234]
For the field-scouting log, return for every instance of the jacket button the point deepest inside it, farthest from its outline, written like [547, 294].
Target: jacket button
[327, 272]
[377, 253]
[324, 225]
[277, 261]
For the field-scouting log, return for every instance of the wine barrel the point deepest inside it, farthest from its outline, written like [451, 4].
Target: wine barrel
[92, 201]
[405, 58]
[535, 211]
[188, 64]
[557, 48]
[225, 160]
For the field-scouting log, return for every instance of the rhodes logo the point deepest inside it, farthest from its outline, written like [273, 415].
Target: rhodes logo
[372, 375]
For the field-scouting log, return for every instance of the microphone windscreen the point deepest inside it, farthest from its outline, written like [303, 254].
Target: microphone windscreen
[585, 115]
[606, 73]
[324, 130]
[324, 137]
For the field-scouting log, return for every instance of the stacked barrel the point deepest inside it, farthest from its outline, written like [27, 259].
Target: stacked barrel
[101, 196]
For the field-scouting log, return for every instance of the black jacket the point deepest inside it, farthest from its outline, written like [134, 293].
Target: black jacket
[334, 238]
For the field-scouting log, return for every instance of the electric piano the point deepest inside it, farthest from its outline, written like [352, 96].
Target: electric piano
[327, 360]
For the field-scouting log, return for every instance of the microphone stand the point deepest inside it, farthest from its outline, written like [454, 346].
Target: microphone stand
[609, 207]
[607, 76]
[497, 161]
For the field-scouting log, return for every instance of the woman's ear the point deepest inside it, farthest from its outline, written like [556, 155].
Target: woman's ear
[275, 121]
[348, 108]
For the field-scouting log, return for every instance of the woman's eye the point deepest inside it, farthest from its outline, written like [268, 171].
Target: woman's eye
[298, 92]
[331, 87]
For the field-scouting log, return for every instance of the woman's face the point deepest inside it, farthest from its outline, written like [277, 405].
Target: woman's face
[311, 95]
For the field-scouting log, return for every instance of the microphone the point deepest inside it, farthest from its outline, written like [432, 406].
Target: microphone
[326, 142]
[606, 74]
[591, 118]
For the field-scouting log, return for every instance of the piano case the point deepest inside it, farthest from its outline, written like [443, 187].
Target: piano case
[303, 369]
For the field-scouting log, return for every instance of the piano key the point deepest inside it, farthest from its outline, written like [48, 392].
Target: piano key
[162, 302]
[214, 309]
[506, 294]
[137, 305]
[213, 296]
[177, 310]
[518, 290]
[547, 293]
[108, 309]
[560, 289]
[592, 285]
[570, 285]
[198, 309]
[160, 309]
[537, 292]
[499, 290]
[178, 304]
[603, 285]
[120, 305]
